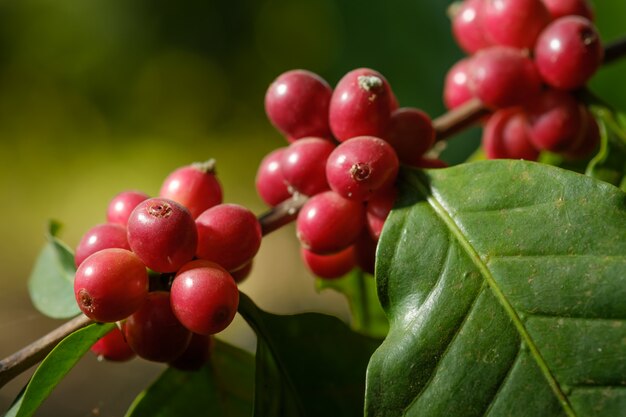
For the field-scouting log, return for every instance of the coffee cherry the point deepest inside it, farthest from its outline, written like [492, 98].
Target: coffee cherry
[163, 234]
[240, 274]
[270, 182]
[195, 186]
[456, 89]
[330, 266]
[555, 121]
[568, 52]
[204, 299]
[360, 105]
[378, 208]
[297, 103]
[503, 77]
[102, 236]
[328, 222]
[229, 235]
[122, 205]
[562, 8]
[590, 138]
[361, 166]
[365, 251]
[514, 23]
[410, 133]
[110, 285]
[467, 26]
[507, 135]
[304, 165]
[154, 333]
[113, 347]
[196, 355]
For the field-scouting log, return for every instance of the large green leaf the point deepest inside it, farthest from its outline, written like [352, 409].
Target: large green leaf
[54, 368]
[307, 364]
[222, 388]
[51, 283]
[505, 286]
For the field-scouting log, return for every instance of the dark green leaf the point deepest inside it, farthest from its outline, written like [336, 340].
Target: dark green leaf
[224, 387]
[51, 283]
[610, 163]
[505, 286]
[360, 290]
[307, 364]
[54, 367]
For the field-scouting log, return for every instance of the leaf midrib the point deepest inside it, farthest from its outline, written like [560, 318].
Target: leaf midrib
[439, 209]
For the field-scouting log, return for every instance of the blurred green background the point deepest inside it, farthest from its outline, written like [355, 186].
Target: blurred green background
[101, 96]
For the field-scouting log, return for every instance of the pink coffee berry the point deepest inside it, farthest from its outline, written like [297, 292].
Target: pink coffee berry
[102, 236]
[378, 208]
[229, 235]
[242, 273]
[328, 222]
[467, 26]
[304, 165]
[589, 140]
[297, 103]
[154, 332]
[113, 347]
[330, 266]
[456, 89]
[270, 181]
[360, 105]
[194, 186]
[503, 77]
[410, 133]
[163, 234]
[361, 166]
[507, 136]
[514, 23]
[365, 251]
[196, 355]
[122, 205]
[562, 8]
[204, 299]
[569, 52]
[110, 285]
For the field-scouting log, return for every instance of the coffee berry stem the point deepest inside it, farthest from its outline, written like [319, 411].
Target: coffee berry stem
[284, 213]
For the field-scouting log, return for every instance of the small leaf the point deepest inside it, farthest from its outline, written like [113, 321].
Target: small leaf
[54, 368]
[359, 288]
[505, 285]
[51, 283]
[307, 364]
[224, 387]
[610, 163]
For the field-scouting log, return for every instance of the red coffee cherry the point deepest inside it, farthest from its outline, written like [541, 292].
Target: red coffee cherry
[122, 205]
[562, 8]
[410, 133]
[113, 347]
[229, 235]
[297, 103]
[163, 234]
[332, 266]
[514, 23]
[590, 137]
[205, 299]
[194, 186]
[154, 333]
[110, 285]
[240, 274]
[507, 135]
[270, 182]
[102, 236]
[568, 52]
[196, 355]
[467, 26]
[304, 165]
[378, 208]
[365, 251]
[456, 86]
[361, 166]
[503, 77]
[360, 105]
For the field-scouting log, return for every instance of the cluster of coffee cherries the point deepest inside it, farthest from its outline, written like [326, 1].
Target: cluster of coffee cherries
[345, 149]
[166, 268]
[527, 57]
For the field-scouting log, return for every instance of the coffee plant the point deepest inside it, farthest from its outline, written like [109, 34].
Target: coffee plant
[496, 287]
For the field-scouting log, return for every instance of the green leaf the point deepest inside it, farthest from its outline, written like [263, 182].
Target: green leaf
[610, 163]
[54, 368]
[51, 283]
[505, 286]
[224, 387]
[307, 364]
[360, 290]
